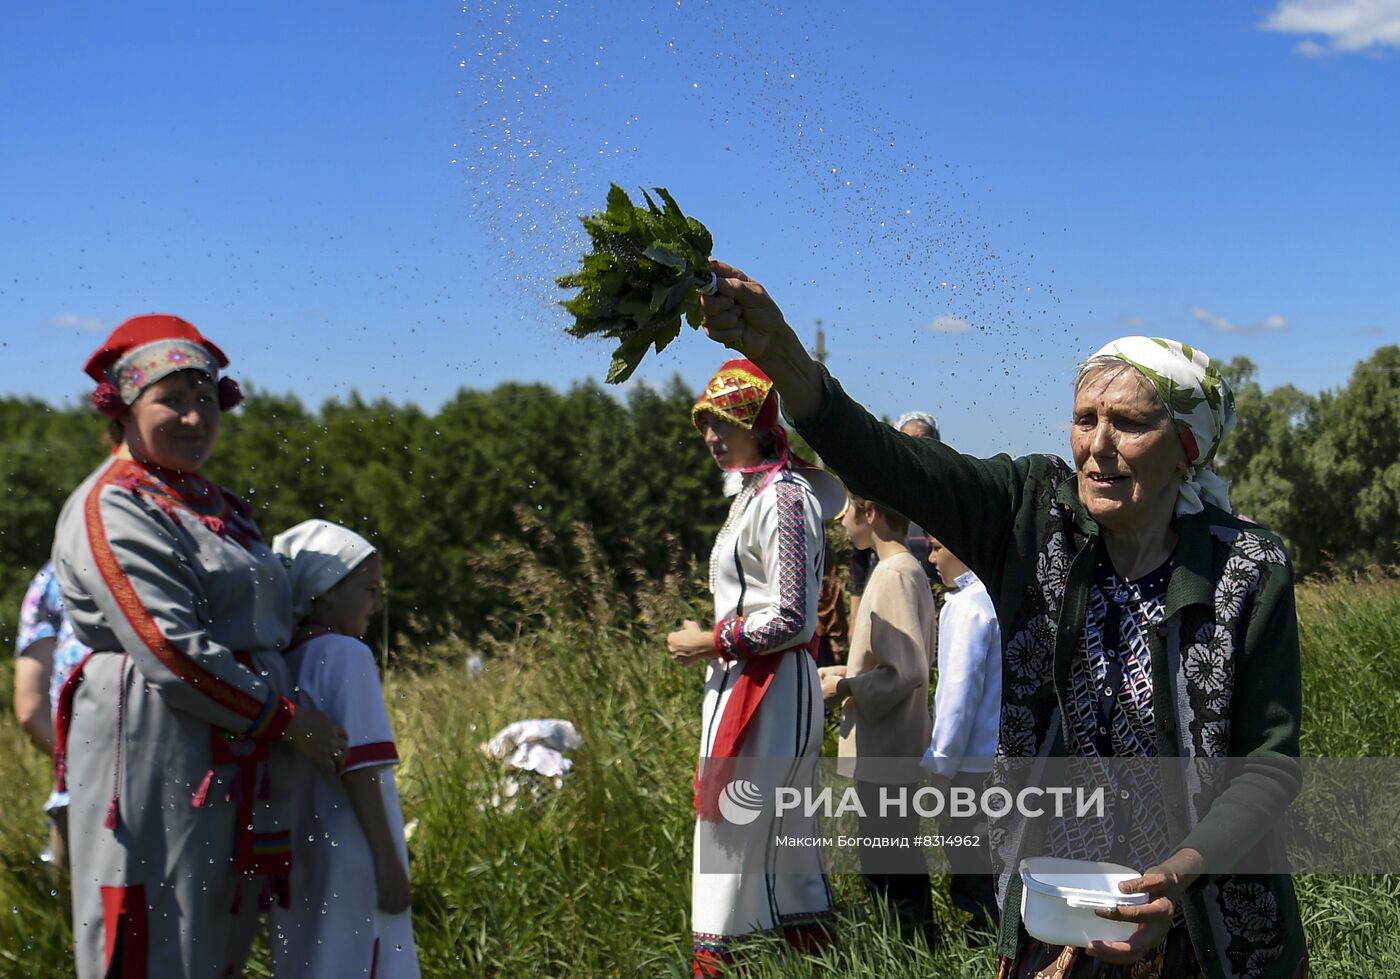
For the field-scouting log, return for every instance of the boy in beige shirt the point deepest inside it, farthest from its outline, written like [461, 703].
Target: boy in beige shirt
[883, 690]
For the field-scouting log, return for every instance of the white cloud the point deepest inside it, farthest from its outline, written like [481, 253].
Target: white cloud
[1269, 324]
[1346, 26]
[76, 321]
[948, 323]
[1130, 322]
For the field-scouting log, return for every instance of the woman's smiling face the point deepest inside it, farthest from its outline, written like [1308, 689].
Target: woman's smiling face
[175, 421]
[1126, 450]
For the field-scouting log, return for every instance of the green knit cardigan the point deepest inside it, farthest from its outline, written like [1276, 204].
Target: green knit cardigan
[1225, 666]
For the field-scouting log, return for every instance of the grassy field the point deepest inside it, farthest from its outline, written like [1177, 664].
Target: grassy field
[594, 879]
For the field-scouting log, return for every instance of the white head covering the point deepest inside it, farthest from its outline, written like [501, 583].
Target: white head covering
[918, 416]
[1200, 402]
[318, 555]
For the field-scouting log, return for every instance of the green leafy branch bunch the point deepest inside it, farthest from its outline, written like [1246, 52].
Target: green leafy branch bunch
[644, 271]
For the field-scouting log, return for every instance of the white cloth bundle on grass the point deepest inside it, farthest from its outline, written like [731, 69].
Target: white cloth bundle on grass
[536, 746]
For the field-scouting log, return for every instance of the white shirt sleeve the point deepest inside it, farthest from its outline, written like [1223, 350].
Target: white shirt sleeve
[787, 528]
[338, 675]
[967, 638]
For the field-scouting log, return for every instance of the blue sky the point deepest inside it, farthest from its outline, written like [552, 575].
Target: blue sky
[970, 196]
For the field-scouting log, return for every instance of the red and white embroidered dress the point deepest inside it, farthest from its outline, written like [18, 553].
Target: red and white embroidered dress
[762, 701]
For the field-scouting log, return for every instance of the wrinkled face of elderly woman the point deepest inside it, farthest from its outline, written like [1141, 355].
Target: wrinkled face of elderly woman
[1126, 449]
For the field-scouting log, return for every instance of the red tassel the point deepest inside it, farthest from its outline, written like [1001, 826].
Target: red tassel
[108, 400]
[230, 394]
[113, 807]
[201, 794]
[265, 897]
[265, 785]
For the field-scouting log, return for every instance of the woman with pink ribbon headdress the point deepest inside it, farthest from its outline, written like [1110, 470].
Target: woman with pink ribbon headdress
[762, 718]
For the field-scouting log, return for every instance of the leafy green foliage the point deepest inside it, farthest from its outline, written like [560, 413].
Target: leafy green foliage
[1321, 470]
[44, 454]
[640, 277]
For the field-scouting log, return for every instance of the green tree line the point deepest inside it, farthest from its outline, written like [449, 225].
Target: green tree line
[526, 464]
[435, 491]
[1322, 470]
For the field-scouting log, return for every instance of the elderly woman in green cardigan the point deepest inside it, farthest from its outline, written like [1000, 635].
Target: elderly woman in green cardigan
[1140, 619]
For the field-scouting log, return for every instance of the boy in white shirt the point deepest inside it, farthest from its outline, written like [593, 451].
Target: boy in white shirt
[966, 720]
[349, 914]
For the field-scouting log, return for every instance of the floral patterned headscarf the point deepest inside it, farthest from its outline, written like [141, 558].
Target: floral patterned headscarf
[1201, 404]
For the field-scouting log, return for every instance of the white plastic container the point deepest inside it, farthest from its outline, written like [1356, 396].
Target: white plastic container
[1059, 898]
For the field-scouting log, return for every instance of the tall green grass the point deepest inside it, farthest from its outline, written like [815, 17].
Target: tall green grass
[594, 878]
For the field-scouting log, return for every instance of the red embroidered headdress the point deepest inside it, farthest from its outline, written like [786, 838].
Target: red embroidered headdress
[740, 394]
[147, 348]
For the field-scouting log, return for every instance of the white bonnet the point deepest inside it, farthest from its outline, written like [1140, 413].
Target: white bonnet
[318, 555]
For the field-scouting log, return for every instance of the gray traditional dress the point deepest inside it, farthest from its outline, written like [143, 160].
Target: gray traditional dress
[179, 815]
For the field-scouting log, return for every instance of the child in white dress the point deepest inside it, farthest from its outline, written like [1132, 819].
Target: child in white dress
[348, 829]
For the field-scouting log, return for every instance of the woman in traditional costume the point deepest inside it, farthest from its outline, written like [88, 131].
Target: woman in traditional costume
[762, 717]
[172, 734]
[1140, 619]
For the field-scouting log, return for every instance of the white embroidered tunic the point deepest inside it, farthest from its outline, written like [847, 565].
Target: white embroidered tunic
[765, 571]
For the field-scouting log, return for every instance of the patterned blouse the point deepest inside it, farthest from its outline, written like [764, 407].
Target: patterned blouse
[41, 617]
[1110, 715]
[760, 572]
[41, 612]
